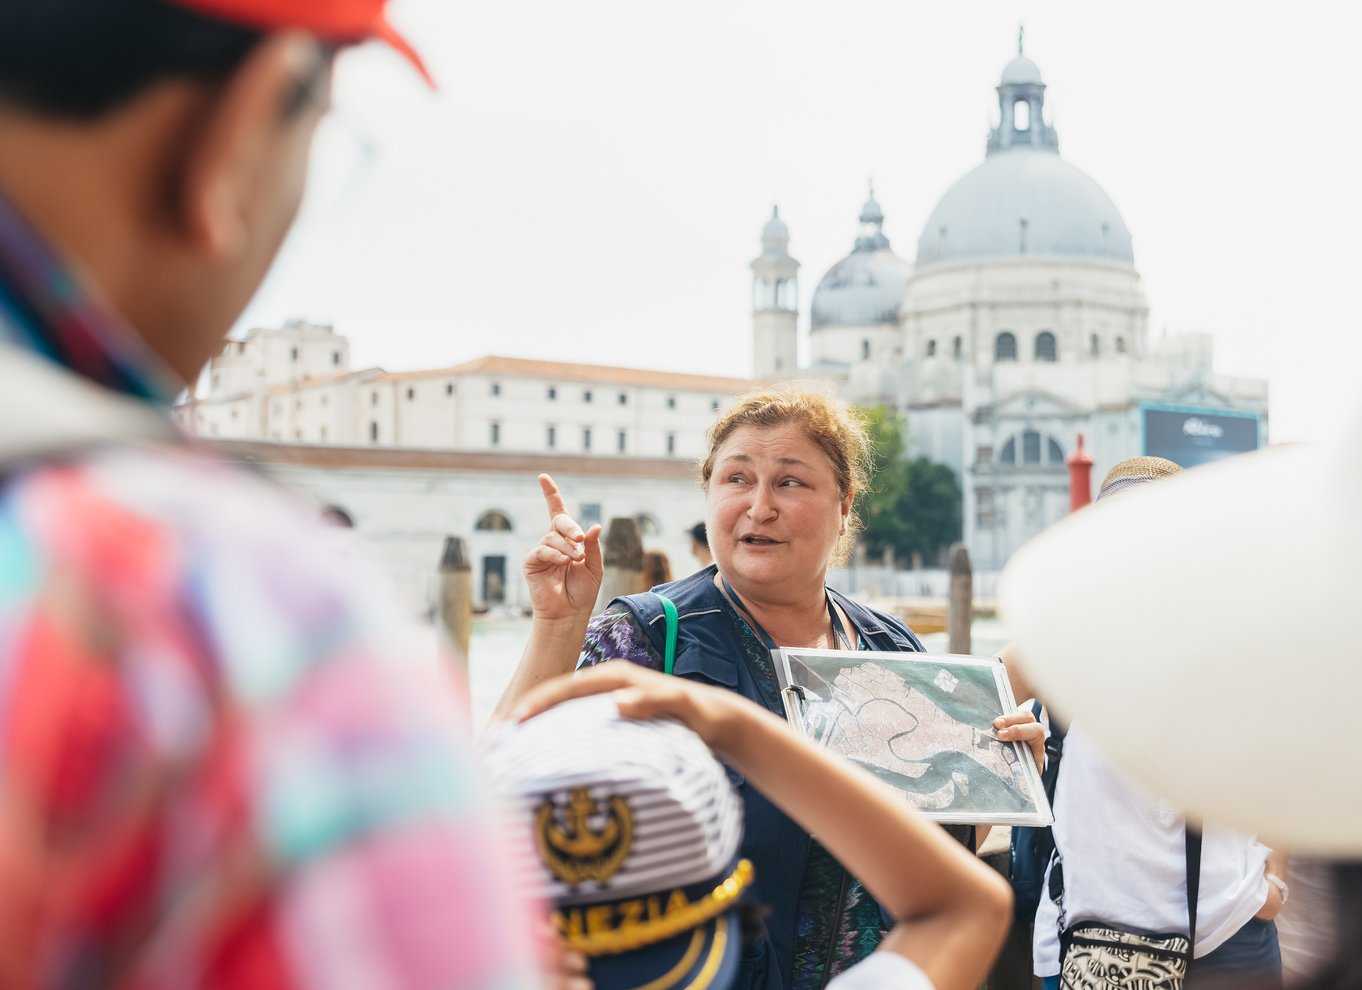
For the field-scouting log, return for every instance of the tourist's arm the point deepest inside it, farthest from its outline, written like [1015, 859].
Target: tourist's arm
[952, 911]
[564, 573]
[1275, 865]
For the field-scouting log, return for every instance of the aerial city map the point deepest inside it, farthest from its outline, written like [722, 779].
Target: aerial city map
[921, 722]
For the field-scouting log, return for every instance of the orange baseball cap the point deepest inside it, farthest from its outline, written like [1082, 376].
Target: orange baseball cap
[330, 20]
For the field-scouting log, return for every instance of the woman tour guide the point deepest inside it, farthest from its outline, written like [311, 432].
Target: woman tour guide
[781, 476]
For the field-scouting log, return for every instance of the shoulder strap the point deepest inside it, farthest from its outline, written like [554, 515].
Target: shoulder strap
[1193, 888]
[669, 656]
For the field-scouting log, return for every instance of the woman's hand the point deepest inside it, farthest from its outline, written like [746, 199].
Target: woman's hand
[564, 569]
[712, 713]
[1021, 726]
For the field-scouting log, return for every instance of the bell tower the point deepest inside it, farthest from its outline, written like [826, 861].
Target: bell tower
[775, 303]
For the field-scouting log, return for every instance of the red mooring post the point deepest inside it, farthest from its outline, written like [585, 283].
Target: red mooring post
[1080, 477]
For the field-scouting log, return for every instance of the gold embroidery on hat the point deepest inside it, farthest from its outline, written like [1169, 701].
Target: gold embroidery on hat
[575, 851]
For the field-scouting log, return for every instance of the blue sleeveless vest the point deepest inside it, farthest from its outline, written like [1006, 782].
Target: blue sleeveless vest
[708, 649]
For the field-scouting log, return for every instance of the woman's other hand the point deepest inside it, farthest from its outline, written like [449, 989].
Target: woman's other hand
[1021, 726]
[711, 713]
[564, 569]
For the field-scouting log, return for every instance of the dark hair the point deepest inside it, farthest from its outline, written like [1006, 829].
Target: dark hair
[698, 534]
[81, 59]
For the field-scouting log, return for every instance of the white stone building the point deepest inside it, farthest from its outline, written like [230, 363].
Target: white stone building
[1022, 323]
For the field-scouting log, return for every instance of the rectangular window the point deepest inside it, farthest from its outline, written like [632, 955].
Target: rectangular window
[586, 396]
[496, 388]
[621, 441]
[551, 438]
[671, 402]
[586, 439]
[449, 388]
[496, 434]
[671, 444]
[552, 393]
[411, 395]
[624, 399]
[373, 398]
[373, 432]
[335, 357]
[589, 515]
[293, 354]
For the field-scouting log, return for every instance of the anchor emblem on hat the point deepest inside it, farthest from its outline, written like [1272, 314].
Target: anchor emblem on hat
[572, 848]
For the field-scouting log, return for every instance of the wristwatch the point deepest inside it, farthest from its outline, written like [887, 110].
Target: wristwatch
[1280, 884]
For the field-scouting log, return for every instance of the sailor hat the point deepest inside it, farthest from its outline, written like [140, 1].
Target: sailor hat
[631, 831]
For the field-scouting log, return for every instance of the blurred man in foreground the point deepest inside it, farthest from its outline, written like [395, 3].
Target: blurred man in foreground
[221, 763]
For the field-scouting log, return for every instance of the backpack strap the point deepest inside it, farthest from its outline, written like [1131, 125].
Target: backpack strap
[1193, 843]
[669, 610]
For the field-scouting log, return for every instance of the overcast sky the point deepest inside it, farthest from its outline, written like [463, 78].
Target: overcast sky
[591, 179]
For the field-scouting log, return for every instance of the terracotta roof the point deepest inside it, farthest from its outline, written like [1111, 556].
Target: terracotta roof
[316, 381]
[396, 458]
[573, 372]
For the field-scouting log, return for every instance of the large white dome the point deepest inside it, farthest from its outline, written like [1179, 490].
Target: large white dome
[1024, 201]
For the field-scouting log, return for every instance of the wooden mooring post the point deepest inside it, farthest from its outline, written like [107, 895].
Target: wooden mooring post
[960, 612]
[456, 597]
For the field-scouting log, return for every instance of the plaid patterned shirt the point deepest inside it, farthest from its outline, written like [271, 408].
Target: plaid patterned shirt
[226, 758]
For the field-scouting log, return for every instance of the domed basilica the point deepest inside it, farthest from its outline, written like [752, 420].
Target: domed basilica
[1021, 324]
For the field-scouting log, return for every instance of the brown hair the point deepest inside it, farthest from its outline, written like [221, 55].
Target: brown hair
[656, 568]
[837, 430]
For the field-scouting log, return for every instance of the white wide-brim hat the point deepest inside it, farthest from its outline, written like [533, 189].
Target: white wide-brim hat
[1206, 630]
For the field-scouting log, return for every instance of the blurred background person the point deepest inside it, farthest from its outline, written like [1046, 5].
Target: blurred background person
[699, 545]
[656, 568]
[1121, 857]
[226, 762]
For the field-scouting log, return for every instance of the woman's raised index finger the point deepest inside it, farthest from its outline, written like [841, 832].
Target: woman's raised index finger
[553, 498]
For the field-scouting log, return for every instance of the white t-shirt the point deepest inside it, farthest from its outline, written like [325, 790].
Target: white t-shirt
[1125, 860]
[883, 969]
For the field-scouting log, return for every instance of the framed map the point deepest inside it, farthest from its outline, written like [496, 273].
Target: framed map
[921, 722]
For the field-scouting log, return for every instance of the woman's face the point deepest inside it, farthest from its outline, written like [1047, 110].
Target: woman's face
[775, 513]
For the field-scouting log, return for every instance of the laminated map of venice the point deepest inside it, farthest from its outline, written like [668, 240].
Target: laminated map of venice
[921, 722]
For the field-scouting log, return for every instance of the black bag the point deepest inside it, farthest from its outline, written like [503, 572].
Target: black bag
[1032, 848]
[1094, 955]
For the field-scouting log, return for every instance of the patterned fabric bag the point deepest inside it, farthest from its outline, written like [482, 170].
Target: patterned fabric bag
[1099, 956]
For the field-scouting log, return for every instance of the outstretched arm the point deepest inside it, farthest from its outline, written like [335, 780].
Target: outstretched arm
[952, 910]
[564, 573]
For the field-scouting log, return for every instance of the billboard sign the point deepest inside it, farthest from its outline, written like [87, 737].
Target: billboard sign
[1188, 436]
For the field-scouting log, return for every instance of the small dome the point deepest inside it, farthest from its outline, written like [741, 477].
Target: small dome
[1021, 71]
[1024, 201]
[863, 289]
[866, 287]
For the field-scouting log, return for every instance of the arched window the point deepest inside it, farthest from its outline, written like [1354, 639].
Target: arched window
[931, 348]
[1005, 347]
[1045, 346]
[1120, 345]
[493, 521]
[1036, 449]
[1095, 345]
